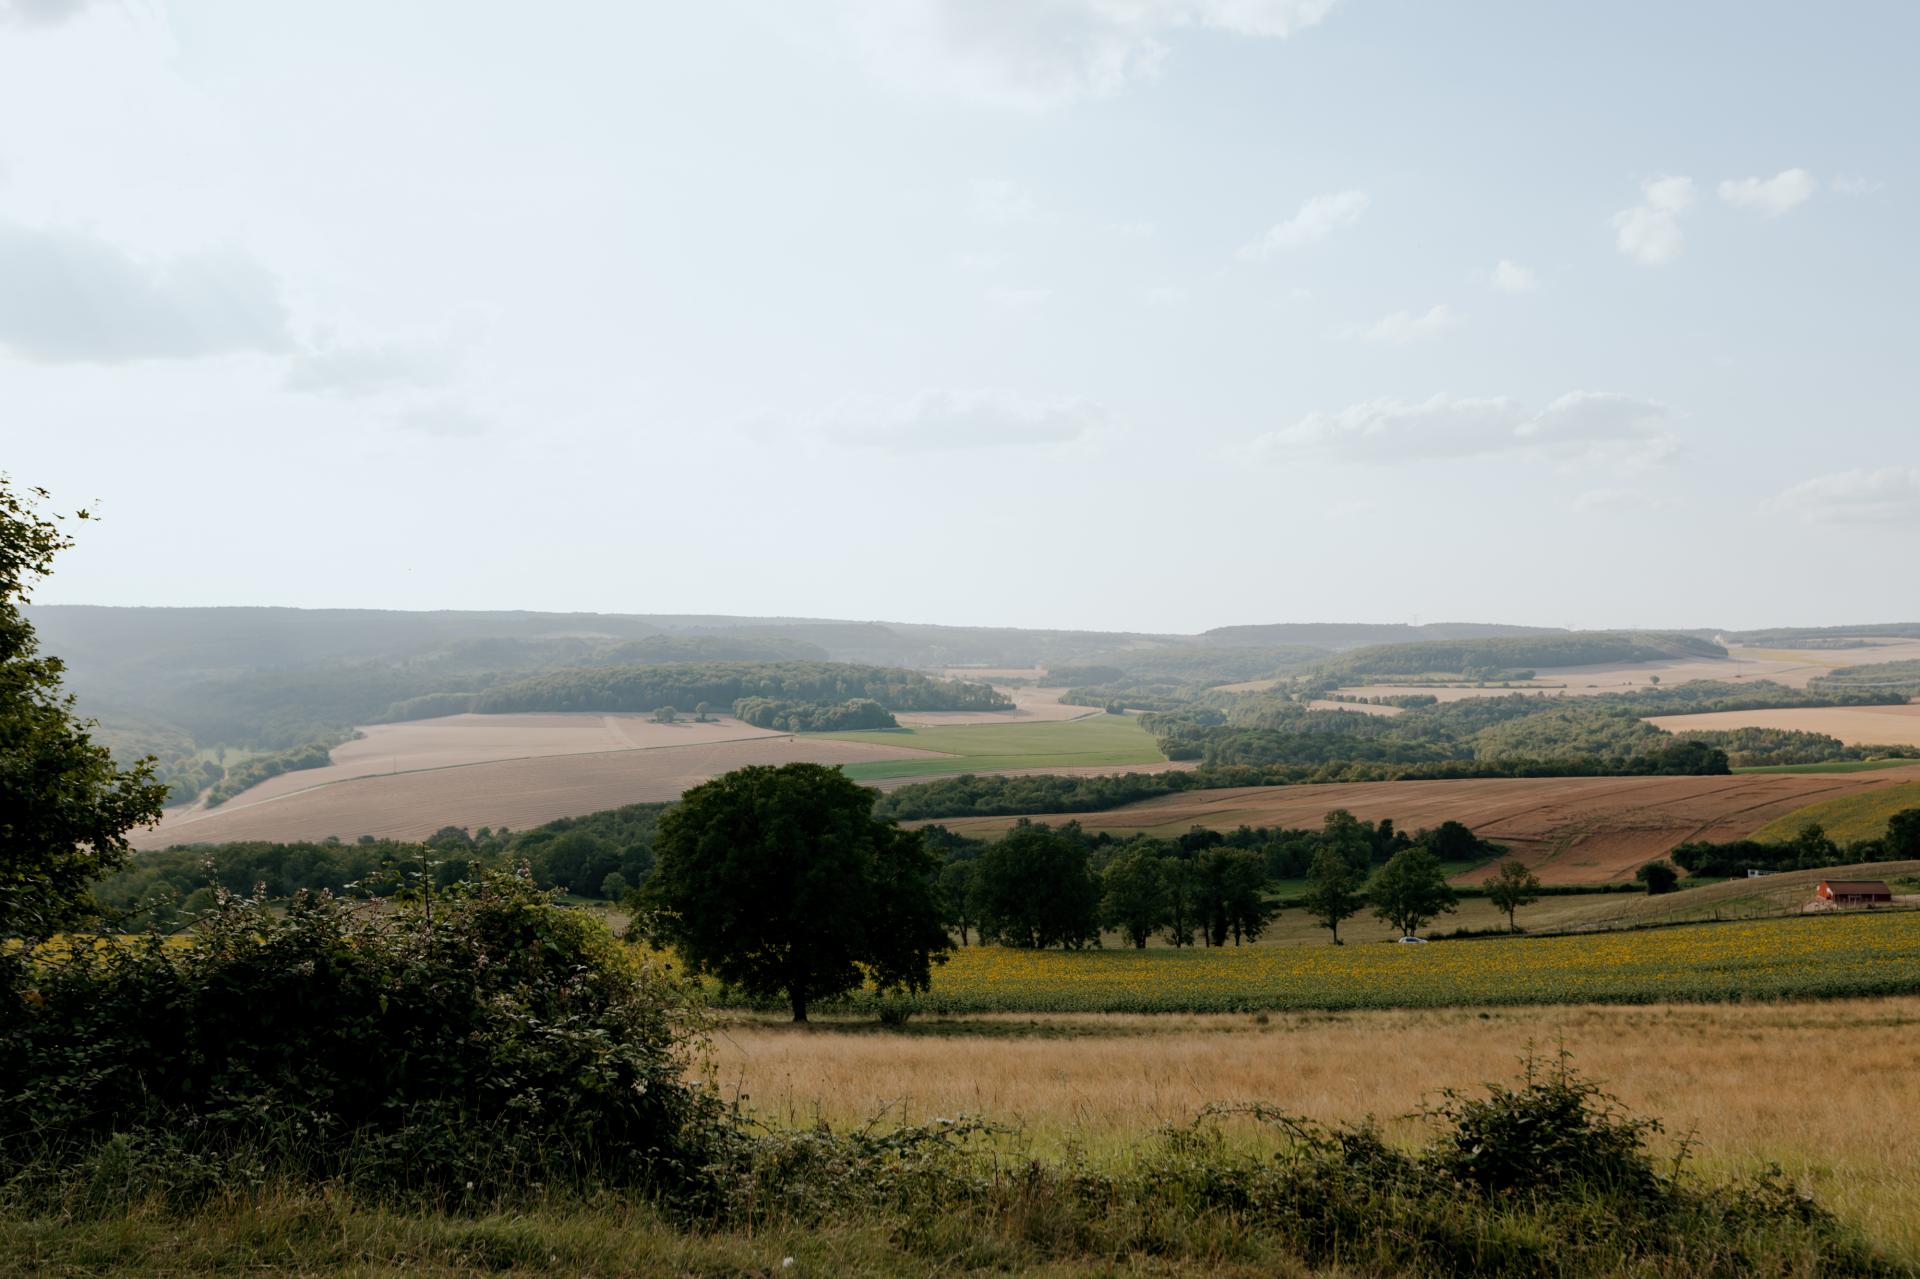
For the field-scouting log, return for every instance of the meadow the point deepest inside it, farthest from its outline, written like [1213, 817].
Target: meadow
[1812, 956]
[1824, 1088]
[1093, 741]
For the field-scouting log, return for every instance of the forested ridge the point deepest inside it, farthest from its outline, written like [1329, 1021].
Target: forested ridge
[684, 684]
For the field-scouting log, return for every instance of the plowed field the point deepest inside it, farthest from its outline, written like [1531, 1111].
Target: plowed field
[1572, 830]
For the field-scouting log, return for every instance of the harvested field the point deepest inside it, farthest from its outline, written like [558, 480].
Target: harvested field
[455, 740]
[517, 792]
[1846, 818]
[1030, 705]
[1571, 830]
[1854, 725]
[1360, 708]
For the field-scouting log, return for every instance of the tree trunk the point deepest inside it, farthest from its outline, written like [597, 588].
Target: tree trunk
[799, 1006]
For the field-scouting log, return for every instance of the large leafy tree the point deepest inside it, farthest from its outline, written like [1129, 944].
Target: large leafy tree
[65, 809]
[1036, 889]
[781, 882]
[1410, 890]
[1135, 896]
[1333, 890]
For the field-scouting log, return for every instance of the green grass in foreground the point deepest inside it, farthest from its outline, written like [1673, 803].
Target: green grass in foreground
[1823, 956]
[1833, 766]
[1079, 743]
[1862, 815]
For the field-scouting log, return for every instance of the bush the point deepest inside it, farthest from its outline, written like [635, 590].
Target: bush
[452, 1047]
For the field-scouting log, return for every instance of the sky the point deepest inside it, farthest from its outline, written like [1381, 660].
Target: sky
[1120, 314]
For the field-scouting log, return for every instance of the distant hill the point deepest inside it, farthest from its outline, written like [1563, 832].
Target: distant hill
[1345, 635]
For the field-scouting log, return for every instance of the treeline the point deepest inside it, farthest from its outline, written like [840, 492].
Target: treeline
[1488, 658]
[1811, 849]
[251, 772]
[1774, 747]
[814, 717]
[600, 855]
[1160, 679]
[973, 795]
[1894, 679]
[1039, 886]
[644, 688]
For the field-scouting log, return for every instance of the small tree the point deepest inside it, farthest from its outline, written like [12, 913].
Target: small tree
[1410, 890]
[1512, 887]
[957, 897]
[1903, 835]
[1135, 900]
[665, 715]
[702, 712]
[780, 881]
[1333, 890]
[1659, 877]
[65, 809]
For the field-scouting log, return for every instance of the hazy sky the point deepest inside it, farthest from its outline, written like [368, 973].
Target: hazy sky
[1149, 314]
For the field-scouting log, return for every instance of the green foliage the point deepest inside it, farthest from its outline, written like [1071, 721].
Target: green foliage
[65, 808]
[642, 688]
[1659, 877]
[259, 768]
[1809, 848]
[1333, 890]
[1410, 890]
[814, 717]
[1035, 889]
[1134, 895]
[779, 880]
[1489, 658]
[1899, 678]
[1775, 747]
[456, 1046]
[1512, 887]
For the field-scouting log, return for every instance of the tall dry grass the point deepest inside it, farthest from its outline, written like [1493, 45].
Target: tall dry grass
[1830, 1091]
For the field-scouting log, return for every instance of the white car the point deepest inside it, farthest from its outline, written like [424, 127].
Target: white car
[1418, 941]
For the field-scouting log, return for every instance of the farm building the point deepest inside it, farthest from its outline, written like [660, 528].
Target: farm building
[1853, 892]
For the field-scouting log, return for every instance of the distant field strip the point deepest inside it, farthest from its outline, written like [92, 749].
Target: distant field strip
[1572, 830]
[1868, 953]
[1848, 817]
[1854, 725]
[1094, 741]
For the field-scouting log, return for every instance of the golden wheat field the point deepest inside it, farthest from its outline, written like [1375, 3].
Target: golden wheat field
[1854, 725]
[1827, 1089]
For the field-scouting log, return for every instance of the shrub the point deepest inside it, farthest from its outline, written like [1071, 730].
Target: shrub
[449, 1046]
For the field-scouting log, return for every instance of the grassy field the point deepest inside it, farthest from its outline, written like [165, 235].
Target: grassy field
[1082, 743]
[1846, 817]
[1865, 953]
[1737, 1076]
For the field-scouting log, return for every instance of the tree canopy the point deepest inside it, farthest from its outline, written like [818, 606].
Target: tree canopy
[780, 881]
[1410, 890]
[65, 809]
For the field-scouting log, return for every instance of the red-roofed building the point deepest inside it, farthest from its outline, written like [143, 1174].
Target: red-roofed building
[1853, 892]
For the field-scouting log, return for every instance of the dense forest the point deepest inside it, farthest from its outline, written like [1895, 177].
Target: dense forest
[814, 717]
[643, 688]
[1505, 657]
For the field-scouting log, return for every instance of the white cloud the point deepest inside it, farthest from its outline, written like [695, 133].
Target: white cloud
[1017, 299]
[1772, 196]
[1581, 425]
[1511, 277]
[1614, 501]
[369, 369]
[998, 202]
[1039, 53]
[1404, 326]
[1317, 219]
[1862, 496]
[39, 13]
[70, 296]
[1649, 232]
[940, 420]
[1849, 184]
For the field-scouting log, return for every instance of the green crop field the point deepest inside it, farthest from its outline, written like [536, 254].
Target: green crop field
[1859, 816]
[1863, 953]
[1077, 743]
